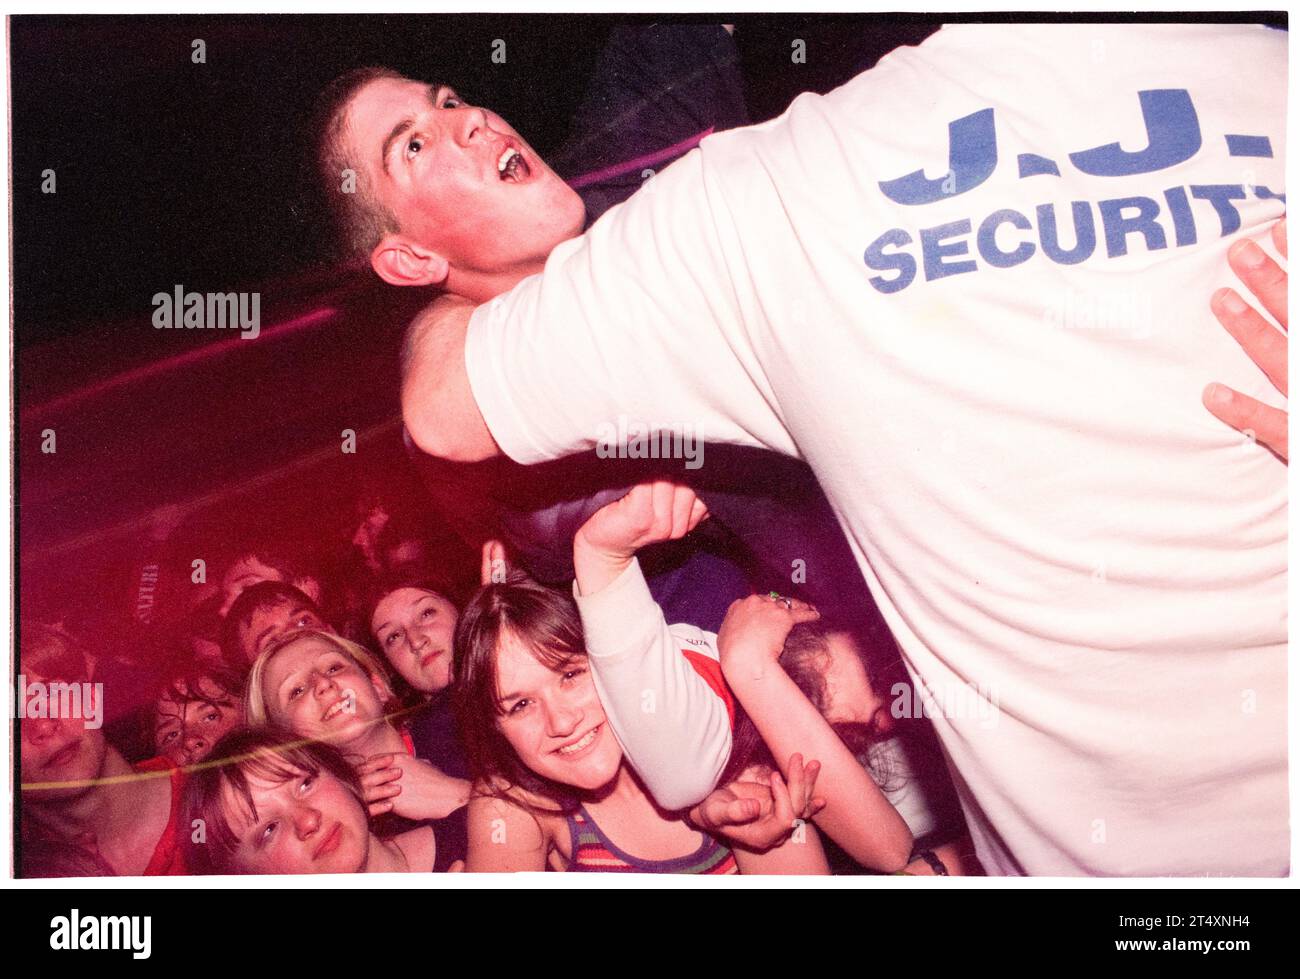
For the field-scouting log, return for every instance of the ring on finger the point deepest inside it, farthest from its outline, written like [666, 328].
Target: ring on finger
[778, 597]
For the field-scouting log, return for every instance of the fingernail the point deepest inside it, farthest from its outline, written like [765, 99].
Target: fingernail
[1219, 395]
[1230, 301]
[1249, 254]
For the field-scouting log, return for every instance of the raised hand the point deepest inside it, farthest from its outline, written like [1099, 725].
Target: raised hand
[754, 632]
[493, 565]
[410, 787]
[650, 513]
[1266, 345]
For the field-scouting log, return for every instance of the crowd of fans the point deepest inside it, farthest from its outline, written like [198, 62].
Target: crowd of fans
[382, 705]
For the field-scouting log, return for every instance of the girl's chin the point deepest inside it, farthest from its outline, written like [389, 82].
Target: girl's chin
[589, 777]
[432, 686]
[594, 779]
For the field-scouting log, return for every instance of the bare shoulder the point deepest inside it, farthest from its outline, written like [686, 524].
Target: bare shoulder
[507, 831]
[432, 326]
[438, 406]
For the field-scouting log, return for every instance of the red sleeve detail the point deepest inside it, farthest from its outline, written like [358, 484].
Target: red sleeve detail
[711, 670]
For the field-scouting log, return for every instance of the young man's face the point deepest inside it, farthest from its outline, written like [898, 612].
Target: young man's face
[268, 624]
[60, 757]
[437, 165]
[185, 730]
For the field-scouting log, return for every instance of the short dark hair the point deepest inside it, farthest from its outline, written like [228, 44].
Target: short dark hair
[293, 560]
[266, 753]
[253, 599]
[358, 220]
[186, 678]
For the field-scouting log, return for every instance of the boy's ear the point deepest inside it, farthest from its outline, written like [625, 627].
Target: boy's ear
[399, 261]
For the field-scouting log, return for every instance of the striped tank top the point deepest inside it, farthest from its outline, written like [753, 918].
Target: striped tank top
[593, 851]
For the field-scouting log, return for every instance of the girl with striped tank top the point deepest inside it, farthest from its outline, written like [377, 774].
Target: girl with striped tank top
[553, 789]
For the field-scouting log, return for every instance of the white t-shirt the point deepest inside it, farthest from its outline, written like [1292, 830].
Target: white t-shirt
[1085, 569]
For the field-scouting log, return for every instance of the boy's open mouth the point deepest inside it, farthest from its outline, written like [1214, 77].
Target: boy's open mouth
[512, 166]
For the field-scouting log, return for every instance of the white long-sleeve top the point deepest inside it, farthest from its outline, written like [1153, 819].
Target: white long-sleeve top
[662, 689]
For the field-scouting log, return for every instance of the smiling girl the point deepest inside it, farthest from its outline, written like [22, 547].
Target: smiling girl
[284, 806]
[322, 687]
[554, 790]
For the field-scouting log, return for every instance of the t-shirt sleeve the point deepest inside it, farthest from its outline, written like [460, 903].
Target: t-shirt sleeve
[638, 326]
[662, 690]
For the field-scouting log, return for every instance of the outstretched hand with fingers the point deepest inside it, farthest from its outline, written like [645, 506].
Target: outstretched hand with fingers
[1264, 342]
[760, 815]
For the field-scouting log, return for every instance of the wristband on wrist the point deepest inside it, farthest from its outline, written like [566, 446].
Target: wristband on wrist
[935, 863]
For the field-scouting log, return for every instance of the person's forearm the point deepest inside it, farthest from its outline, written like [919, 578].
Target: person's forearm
[857, 815]
[594, 568]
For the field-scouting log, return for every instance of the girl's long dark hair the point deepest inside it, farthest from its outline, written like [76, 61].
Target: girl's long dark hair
[547, 622]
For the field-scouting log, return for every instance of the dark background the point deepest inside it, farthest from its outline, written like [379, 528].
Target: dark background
[170, 172]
